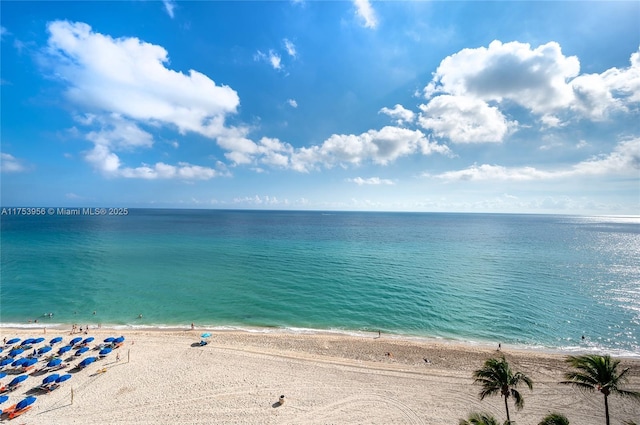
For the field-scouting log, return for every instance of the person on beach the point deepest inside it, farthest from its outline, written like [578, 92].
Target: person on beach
[192, 326]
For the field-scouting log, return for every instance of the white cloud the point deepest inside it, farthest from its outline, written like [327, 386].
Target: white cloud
[292, 103]
[379, 146]
[464, 120]
[128, 77]
[366, 13]
[370, 181]
[123, 83]
[533, 78]
[10, 164]
[542, 80]
[272, 58]
[3, 32]
[624, 160]
[169, 6]
[399, 113]
[290, 48]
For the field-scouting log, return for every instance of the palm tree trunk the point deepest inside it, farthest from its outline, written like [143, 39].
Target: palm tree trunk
[506, 406]
[606, 408]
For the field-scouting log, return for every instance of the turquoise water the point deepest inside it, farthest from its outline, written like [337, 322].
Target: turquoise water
[533, 280]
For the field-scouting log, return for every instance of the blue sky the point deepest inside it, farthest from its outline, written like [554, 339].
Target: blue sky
[529, 107]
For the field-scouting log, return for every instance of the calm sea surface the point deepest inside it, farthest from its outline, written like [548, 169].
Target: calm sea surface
[534, 280]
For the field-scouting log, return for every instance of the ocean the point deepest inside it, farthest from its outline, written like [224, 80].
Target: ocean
[533, 281]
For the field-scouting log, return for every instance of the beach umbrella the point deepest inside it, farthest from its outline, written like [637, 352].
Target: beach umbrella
[15, 352]
[13, 341]
[86, 362]
[17, 380]
[29, 361]
[38, 340]
[63, 378]
[80, 351]
[88, 340]
[110, 339]
[105, 351]
[28, 341]
[3, 398]
[26, 402]
[6, 361]
[3, 374]
[205, 335]
[74, 341]
[55, 340]
[119, 339]
[54, 362]
[44, 349]
[19, 362]
[1, 349]
[64, 349]
[51, 378]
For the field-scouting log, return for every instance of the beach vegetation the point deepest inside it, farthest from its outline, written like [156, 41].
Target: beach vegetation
[497, 377]
[480, 419]
[555, 419]
[599, 373]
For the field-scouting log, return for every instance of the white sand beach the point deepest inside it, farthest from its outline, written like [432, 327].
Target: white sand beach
[163, 378]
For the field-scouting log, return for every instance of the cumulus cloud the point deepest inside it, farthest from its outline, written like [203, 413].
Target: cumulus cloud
[370, 181]
[378, 146]
[292, 103]
[399, 113]
[366, 13]
[123, 84]
[10, 164]
[542, 80]
[464, 120]
[128, 77]
[623, 160]
[533, 78]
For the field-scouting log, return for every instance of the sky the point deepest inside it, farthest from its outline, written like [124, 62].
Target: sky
[435, 106]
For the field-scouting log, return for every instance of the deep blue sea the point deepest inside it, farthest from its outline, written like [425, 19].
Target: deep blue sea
[541, 281]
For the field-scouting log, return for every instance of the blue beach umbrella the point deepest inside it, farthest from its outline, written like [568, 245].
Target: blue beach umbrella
[64, 349]
[88, 340]
[6, 361]
[80, 351]
[105, 351]
[38, 340]
[205, 335]
[28, 341]
[44, 349]
[110, 339]
[25, 403]
[29, 362]
[63, 378]
[86, 362]
[19, 362]
[74, 341]
[13, 341]
[15, 352]
[3, 374]
[119, 339]
[54, 362]
[55, 340]
[3, 398]
[17, 380]
[51, 378]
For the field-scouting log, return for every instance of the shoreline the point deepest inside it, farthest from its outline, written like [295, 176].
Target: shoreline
[165, 377]
[64, 329]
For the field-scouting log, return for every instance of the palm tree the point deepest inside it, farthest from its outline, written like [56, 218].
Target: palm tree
[479, 419]
[600, 373]
[497, 377]
[555, 419]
